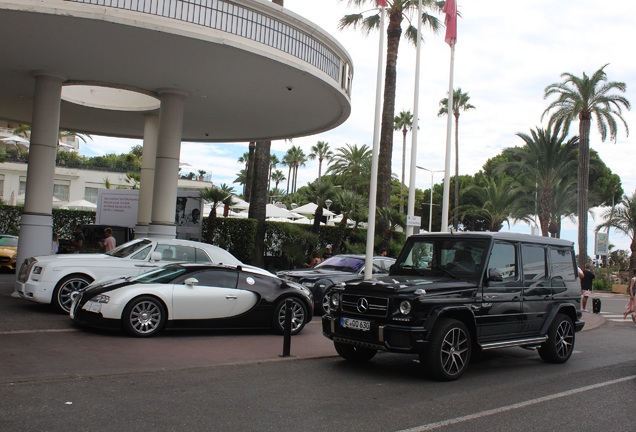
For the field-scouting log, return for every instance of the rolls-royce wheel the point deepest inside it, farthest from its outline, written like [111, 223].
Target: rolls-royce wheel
[63, 293]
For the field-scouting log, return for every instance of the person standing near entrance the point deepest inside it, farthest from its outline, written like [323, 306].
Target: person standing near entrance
[108, 243]
[587, 281]
[78, 239]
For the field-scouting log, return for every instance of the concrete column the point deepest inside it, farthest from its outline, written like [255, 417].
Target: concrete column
[164, 197]
[37, 222]
[146, 186]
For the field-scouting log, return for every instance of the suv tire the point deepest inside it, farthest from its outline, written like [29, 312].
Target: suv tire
[560, 344]
[449, 350]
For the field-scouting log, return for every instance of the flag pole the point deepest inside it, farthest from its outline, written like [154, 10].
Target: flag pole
[416, 102]
[450, 9]
[449, 127]
[368, 269]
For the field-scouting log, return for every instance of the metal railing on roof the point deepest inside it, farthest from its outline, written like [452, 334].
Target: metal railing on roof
[237, 19]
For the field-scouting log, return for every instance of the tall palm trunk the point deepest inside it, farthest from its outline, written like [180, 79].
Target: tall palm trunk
[583, 175]
[394, 33]
[249, 175]
[258, 204]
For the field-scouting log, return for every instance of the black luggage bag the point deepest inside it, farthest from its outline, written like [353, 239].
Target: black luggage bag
[596, 305]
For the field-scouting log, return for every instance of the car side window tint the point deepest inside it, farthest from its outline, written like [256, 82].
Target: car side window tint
[142, 254]
[534, 265]
[201, 256]
[503, 264]
[217, 278]
[562, 266]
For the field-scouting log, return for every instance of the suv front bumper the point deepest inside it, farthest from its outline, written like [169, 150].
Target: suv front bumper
[381, 336]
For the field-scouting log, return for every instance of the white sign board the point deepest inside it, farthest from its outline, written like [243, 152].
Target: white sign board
[414, 221]
[601, 244]
[117, 207]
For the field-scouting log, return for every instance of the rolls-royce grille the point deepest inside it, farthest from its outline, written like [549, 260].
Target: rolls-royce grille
[365, 305]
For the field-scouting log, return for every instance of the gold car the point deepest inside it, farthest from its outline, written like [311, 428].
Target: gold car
[8, 252]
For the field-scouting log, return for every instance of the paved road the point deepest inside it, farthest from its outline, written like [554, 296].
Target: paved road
[58, 378]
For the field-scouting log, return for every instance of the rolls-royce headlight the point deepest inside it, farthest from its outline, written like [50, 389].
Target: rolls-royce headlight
[405, 307]
[335, 300]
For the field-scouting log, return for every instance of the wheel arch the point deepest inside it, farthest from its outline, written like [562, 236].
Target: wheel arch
[564, 308]
[462, 314]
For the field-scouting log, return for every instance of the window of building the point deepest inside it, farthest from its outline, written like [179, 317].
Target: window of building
[61, 191]
[90, 194]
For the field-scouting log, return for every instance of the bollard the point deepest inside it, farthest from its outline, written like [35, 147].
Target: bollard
[287, 328]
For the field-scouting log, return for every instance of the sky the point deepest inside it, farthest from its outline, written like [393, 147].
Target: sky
[506, 54]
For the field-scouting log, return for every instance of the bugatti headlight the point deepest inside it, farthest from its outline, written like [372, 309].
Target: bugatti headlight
[405, 307]
[101, 298]
[309, 284]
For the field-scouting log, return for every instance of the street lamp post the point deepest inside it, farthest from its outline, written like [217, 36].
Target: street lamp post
[430, 208]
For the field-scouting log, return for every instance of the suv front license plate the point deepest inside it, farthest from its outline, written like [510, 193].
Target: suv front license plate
[355, 324]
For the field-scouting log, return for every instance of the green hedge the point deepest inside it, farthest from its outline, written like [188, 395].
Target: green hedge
[287, 245]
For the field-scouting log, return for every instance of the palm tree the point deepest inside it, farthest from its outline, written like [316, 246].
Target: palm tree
[258, 198]
[586, 98]
[228, 200]
[387, 220]
[273, 161]
[134, 179]
[397, 11]
[623, 219]
[350, 163]
[214, 196]
[278, 176]
[545, 160]
[319, 191]
[403, 122]
[497, 201]
[321, 152]
[294, 158]
[460, 102]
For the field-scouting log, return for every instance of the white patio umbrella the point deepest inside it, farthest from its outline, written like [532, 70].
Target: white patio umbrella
[80, 205]
[274, 211]
[310, 209]
[239, 204]
[15, 141]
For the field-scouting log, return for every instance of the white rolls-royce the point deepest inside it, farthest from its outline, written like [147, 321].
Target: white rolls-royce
[53, 278]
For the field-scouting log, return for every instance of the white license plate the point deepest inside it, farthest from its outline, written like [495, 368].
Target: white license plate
[355, 324]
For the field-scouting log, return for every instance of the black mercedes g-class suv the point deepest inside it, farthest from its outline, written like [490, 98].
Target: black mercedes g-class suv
[450, 294]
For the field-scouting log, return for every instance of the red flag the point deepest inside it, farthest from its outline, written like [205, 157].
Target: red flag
[382, 3]
[450, 9]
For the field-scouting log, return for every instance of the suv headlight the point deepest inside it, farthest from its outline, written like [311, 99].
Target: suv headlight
[405, 307]
[334, 300]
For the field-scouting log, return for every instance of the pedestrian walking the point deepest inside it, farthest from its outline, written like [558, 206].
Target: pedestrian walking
[587, 281]
[631, 304]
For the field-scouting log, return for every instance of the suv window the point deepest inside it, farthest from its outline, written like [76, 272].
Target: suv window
[534, 266]
[503, 263]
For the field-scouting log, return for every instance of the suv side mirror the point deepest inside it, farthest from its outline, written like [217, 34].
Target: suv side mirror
[495, 275]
